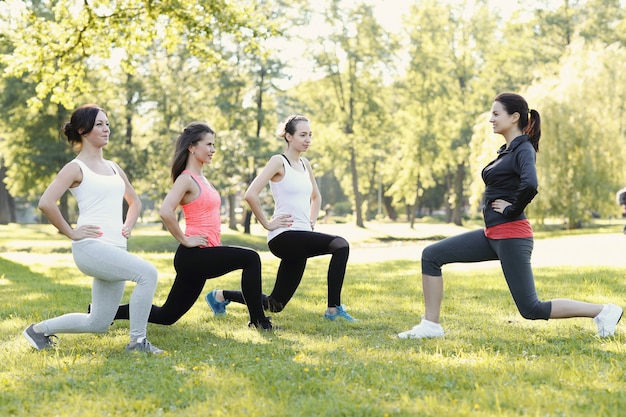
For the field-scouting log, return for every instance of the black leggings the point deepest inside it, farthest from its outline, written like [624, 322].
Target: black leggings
[294, 248]
[514, 256]
[193, 267]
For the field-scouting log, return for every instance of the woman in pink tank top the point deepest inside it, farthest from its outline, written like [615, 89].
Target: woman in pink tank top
[200, 255]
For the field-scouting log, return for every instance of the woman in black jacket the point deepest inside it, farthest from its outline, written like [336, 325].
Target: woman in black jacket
[511, 184]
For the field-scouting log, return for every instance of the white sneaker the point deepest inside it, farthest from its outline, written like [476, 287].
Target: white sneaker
[607, 319]
[423, 330]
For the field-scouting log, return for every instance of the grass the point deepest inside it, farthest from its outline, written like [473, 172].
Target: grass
[491, 362]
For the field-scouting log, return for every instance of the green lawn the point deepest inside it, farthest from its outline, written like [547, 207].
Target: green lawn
[491, 362]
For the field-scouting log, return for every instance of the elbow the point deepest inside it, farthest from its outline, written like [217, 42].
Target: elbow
[248, 197]
[165, 213]
[136, 204]
[43, 205]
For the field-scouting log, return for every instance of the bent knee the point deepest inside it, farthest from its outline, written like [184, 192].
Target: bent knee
[101, 327]
[338, 243]
[537, 311]
[150, 275]
[430, 265]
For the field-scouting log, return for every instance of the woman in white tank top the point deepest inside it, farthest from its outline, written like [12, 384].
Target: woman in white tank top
[99, 236]
[291, 238]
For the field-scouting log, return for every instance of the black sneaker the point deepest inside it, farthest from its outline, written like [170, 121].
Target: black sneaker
[263, 324]
[39, 340]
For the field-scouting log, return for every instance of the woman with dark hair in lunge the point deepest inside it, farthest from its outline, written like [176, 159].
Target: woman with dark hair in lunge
[201, 255]
[511, 184]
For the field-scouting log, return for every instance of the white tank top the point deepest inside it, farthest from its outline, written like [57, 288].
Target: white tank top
[292, 195]
[100, 198]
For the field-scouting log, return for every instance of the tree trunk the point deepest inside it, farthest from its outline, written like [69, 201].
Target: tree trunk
[64, 208]
[355, 188]
[459, 196]
[232, 216]
[391, 212]
[6, 201]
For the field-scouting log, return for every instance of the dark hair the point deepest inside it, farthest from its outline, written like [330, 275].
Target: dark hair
[289, 126]
[193, 133]
[529, 121]
[81, 122]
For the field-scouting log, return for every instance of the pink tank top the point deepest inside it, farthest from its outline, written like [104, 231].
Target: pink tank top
[202, 215]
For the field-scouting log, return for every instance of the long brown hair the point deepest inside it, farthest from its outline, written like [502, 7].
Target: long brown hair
[193, 133]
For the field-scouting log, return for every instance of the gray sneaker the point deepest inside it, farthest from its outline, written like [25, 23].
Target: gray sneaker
[143, 346]
[607, 319]
[38, 340]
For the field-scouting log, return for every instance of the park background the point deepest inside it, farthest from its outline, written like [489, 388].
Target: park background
[398, 94]
[399, 110]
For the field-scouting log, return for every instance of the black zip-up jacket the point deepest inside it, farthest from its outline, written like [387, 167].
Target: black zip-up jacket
[512, 177]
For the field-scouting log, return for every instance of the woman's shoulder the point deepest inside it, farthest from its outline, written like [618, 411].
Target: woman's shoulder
[276, 161]
[185, 177]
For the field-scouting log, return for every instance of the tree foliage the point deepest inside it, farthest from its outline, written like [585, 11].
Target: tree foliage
[398, 115]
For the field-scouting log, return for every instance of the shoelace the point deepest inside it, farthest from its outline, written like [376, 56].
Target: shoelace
[146, 346]
[50, 342]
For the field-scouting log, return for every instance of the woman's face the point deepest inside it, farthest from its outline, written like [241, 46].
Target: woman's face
[204, 149]
[99, 135]
[502, 121]
[302, 137]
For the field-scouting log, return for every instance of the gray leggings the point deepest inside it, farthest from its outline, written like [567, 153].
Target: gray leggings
[514, 256]
[110, 267]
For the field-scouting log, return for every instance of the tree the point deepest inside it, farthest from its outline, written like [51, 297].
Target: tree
[444, 91]
[583, 158]
[63, 49]
[354, 57]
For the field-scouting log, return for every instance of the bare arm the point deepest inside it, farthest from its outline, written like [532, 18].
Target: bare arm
[316, 196]
[134, 204]
[184, 190]
[273, 170]
[69, 176]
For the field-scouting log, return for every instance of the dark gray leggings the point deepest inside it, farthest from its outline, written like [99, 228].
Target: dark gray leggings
[514, 256]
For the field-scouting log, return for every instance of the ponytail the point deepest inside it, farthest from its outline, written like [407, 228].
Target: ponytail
[533, 129]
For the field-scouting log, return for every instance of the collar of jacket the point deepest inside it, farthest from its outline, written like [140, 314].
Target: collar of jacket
[514, 144]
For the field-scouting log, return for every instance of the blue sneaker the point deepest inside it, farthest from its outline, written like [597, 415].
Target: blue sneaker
[218, 307]
[341, 312]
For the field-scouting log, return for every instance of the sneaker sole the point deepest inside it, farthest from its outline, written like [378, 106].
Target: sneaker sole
[32, 341]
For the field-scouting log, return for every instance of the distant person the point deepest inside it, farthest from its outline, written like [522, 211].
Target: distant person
[201, 255]
[511, 184]
[621, 200]
[291, 237]
[99, 238]
[328, 211]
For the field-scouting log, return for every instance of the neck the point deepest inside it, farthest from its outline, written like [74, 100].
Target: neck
[510, 135]
[90, 153]
[194, 166]
[292, 155]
